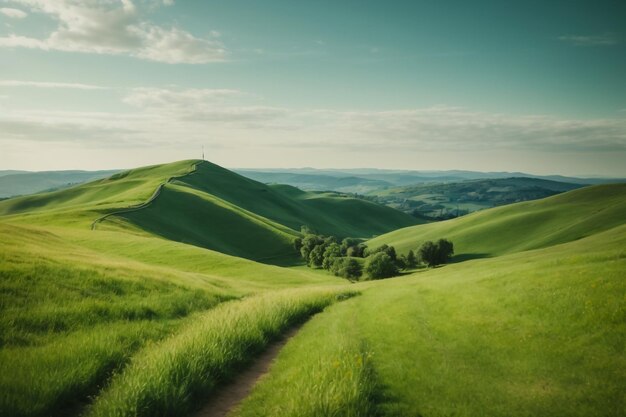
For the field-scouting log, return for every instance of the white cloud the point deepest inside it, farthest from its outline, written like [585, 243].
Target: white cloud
[164, 114]
[13, 13]
[106, 27]
[173, 119]
[169, 97]
[40, 84]
[590, 40]
[448, 128]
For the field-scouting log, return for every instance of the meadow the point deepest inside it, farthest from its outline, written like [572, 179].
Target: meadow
[142, 317]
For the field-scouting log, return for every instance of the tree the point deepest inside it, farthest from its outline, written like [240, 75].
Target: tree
[316, 256]
[427, 253]
[348, 243]
[297, 244]
[331, 252]
[411, 260]
[357, 251]
[308, 243]
[445, 250]
[433, 254]
[401, 262]
[389, 250]
[380, 265]
[346, 267]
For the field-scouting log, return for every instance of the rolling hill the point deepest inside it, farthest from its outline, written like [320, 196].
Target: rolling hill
[517, 227]
[202, 204]
[139, 318]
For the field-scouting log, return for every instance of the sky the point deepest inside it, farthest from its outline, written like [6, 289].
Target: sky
[531, 86]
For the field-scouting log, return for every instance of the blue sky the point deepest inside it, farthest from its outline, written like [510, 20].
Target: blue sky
[486, 85]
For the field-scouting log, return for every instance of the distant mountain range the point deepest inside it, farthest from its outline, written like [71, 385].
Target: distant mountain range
[367, 179]
[14, 183]
[430, 195]
[434, 195]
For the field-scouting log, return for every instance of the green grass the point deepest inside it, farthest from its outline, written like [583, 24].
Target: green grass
[326, 370]
[207, 206]
[75, 306]
[168, 378]
[80, 205]
[523, 226]
[131, 319]
[238, 216]
[536, 333]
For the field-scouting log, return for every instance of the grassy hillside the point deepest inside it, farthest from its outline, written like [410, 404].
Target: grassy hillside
[200, 203]
[80, 205]
[76, 305]
[517, 227]
[220, 210]
[527, 334]
[131, 319]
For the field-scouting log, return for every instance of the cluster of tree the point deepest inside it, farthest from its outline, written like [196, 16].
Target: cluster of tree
[383, 262]
[325, 252]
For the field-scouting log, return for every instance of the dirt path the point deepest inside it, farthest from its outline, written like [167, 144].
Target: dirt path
[229, 396]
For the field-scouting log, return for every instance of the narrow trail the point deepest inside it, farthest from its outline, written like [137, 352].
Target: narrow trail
[145, 204]
[226, 398]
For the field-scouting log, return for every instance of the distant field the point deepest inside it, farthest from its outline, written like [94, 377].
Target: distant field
[453, 199]
[139, 317]
[14, 183]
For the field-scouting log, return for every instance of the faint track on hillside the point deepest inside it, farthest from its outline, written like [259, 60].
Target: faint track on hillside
[147, 203]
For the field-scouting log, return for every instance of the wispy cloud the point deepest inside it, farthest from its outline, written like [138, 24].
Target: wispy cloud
[170, 97]
[590, 40]
[13, 13]
[103, 27]
[40, 84]
[231, 118]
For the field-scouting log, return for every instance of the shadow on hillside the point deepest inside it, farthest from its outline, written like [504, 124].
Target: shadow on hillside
[468, 257]
[284, 261]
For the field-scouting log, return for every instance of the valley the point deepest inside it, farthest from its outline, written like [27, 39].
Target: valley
[172, 294]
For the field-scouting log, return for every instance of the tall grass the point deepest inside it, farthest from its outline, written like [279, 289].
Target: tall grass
[66, 326]
[167, 378]
[325, 371]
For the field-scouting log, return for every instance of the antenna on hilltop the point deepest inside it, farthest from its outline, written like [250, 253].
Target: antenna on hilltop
[203, 153]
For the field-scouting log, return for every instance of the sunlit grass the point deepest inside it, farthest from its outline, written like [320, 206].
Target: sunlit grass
[164, 380]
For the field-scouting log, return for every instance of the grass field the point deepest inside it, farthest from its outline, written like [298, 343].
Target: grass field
[523, 226]
[527, 334]
[139, 318]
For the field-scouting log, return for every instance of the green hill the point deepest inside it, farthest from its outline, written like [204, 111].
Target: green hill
[220, 210]
[130, 319]
[81, 204]
[205, 205]
[517, 227]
